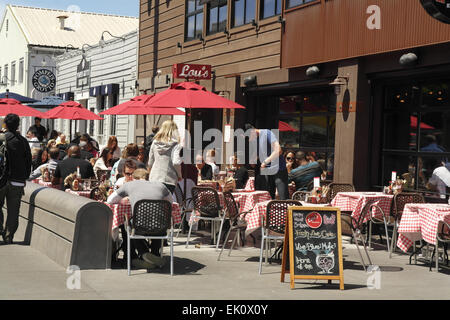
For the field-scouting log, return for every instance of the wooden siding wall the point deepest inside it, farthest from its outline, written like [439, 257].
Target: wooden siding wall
[246, 51]
[336, 29]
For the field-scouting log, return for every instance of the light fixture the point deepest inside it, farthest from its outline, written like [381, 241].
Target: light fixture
[102, 39]
[83, 51]
[313, 71]
[281, 20]
[158, 72]
[408, 59]
[338, 83]
[227, 33]
[250, 81]
[179, 45]
[69, 46]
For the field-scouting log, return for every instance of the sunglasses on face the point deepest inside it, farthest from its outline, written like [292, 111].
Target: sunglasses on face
[128, 174]
[290, 159]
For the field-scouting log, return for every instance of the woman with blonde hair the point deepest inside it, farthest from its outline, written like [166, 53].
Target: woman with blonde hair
[164, 156]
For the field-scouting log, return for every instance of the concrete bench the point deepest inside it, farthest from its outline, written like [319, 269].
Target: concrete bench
[70, 230]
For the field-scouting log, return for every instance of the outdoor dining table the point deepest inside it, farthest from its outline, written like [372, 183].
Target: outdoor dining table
[356, 201]
[420, 222]
[122, 209]
[81, 193]
[45, 183]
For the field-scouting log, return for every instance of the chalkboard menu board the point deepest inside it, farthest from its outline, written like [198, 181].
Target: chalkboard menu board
[313, 245]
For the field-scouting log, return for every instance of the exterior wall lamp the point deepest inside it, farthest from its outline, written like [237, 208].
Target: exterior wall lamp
[83, 50]
[338, 83]
[408, 59]
[312, 71]
[102, 39]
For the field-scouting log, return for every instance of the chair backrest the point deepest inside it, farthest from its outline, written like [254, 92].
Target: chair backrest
[251, 173]
[231, 206]
[103, 175]
[179, 194]
[364, 212]
[277, 211]
[97, 195]
[401, 199]
[300, 195]
[206, 201]
[443, 231]
[152, 217]
[334, 188]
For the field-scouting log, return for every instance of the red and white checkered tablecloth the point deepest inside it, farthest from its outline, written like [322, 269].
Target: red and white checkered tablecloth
[355, 202]
[250, 185]
[247, 201]
[45, 184]
[84, 193]
[420, 221]
[253, 218]
[124, 208]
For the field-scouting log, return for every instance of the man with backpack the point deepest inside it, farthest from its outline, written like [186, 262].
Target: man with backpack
[15, 168]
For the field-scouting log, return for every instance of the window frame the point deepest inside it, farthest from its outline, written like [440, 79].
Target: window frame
[187, 15]
[232, 14]
[261, 10]
[220, 4]
[21, 70]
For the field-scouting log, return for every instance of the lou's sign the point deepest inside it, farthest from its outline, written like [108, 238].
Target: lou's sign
[192, 71]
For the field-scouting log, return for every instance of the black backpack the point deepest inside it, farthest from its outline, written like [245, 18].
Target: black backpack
[4, 172]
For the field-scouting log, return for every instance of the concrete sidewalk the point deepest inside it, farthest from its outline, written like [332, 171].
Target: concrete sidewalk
[27, 274]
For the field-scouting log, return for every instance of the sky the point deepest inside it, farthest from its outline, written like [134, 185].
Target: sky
[117, 7]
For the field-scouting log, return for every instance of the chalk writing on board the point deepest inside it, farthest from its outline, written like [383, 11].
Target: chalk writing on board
[312, 234]
[325, 246]
[329, 220]
[303, 264]
[325, 262]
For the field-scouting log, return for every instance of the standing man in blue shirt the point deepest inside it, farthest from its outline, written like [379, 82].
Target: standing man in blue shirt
[273, 164]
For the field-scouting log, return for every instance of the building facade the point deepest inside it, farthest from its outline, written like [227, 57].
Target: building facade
[99, 78]
[283, 60]
[32, 38]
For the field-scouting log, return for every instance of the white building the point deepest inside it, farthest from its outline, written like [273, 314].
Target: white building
[31, 39]
[99, 78]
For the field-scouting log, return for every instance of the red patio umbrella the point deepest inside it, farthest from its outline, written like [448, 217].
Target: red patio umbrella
[422, 124]
[8, 106]
[190, 95]
[71, 110]
[284, 127]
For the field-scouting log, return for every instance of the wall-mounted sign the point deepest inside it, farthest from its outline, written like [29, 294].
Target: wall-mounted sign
[438, 9]
[83, 73]
[44, 80]
[192, 71]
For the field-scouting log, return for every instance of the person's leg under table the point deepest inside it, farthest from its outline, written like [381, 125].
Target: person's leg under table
[13, 200]
[2, 202]
[281, 183]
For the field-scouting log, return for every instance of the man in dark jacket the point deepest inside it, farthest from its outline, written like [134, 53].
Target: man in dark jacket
[19, 169]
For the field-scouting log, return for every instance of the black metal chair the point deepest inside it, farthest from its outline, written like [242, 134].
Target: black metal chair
[400, 200]
[237, 221]
[97, 195]
[442, 235]
[357, 226]
[335, 188]
[151, 219]
[184, 205]
[273, 226]
[207, 204]
[300, 195]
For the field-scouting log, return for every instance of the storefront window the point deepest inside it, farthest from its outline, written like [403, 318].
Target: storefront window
[416, 131]
[194, 19]
[294, 3]
[311, 126]
[217, 16]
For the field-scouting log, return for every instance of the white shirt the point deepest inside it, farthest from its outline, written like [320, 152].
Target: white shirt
[440, 179]
[119, 183]
[34, 143]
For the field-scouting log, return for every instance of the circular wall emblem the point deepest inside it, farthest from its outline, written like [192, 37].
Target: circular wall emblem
[44, 80]
[314, 220]
[438, 9]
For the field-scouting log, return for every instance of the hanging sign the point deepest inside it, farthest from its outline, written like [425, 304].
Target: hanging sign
[438, 9]
[44, 80]
[192, 71]
[83, 73]
[313, 245]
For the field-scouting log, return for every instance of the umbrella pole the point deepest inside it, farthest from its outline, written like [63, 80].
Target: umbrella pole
[70, 131]
[145, 127]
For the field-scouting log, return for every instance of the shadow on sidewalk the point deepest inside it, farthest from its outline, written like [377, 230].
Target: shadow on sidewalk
[181, 266]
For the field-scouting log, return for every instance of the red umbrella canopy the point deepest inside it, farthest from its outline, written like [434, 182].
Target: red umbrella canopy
[72, 110]
[138, 106]
[422, 124]
[8, 106]
[189, 95]
[283, 126]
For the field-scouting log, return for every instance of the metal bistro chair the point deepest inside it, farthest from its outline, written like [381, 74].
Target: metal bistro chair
[207, 203]
[377, 221]
[334, 188]
[442, 235]
[184, 205]
[103, 175]
[151, 220]
[400, 200]
[357, 227]
[97, 195]
[273, 226]
[237, 221]
[300, 195]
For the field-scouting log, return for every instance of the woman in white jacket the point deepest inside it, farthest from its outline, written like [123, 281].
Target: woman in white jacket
[164, 156]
